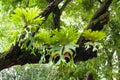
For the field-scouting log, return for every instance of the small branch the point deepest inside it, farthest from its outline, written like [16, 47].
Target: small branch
[27, 3]
[64, 5]
[100, 1]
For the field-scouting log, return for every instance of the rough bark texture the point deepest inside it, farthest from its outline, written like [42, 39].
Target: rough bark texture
[56, 16]
[18, 56]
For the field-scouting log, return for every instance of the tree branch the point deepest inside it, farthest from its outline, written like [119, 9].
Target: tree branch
[56, 18]
[103, 8]
[49, 9]
[64, 5]
[18, 56]
[99, 19]
[27, 3]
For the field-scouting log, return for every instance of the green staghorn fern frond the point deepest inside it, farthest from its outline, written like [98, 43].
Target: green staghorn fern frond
[65, 36]
[93, 35]
[27, 16]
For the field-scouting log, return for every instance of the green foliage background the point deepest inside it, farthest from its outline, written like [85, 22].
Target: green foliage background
[77, 14]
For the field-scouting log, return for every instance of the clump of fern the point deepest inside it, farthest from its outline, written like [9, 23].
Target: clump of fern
[93, 35]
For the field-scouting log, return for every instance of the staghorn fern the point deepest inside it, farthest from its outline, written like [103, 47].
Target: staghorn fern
[93, 35]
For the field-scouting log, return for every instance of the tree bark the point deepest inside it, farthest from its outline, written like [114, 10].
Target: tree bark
[56, 16]
[18, 56]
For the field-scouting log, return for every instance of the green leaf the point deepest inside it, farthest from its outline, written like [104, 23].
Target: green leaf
[43, 37]
[65, 36]
[27, 16]
[93, 35]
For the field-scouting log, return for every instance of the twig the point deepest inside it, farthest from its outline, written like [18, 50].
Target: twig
[64, 5]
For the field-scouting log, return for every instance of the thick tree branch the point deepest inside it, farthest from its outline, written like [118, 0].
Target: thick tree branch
[49, 9]
[99, 19]
[18, 56]
[103, 8]
[56, 18]
[57, 13]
